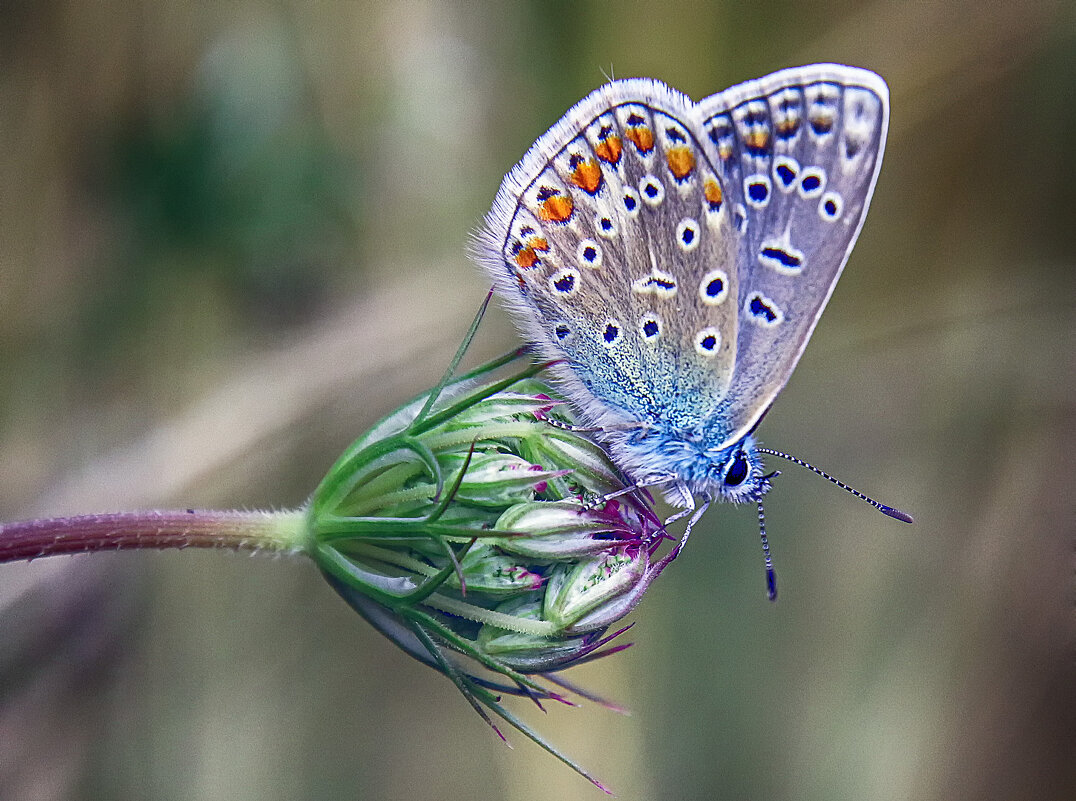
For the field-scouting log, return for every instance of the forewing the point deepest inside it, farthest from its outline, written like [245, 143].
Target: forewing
[799, 153]
[612, 243]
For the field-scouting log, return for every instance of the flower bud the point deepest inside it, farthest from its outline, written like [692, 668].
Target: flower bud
[574, 589]
[495, 480]
[457, 528]
[486, 569]
[562, 529]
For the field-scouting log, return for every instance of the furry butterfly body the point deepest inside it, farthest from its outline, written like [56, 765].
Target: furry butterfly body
[671, 259]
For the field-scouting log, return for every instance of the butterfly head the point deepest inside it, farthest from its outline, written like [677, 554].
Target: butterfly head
[732, 473]
[737, 474]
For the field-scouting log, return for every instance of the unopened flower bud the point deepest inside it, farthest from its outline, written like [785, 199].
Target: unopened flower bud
[573, 590]
[461, 529]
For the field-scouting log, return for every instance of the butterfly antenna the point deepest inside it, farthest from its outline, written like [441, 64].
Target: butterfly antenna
[771, 574]
[571, 427]
[881, 507]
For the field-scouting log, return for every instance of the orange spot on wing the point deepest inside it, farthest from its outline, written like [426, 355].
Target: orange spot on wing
[681, 161]
[642, 137]
[608, 149]
[588, 176]
[556, 208]
[527, 256]
[788, 126]
[712, 190]
[822, 122]
[757, 138]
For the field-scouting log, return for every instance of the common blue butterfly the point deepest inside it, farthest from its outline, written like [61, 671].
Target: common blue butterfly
[671, 259]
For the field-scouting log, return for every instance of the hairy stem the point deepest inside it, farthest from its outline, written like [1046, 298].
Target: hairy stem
[238, 531]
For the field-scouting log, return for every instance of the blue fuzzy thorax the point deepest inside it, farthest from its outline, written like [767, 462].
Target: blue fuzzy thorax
[687, 466]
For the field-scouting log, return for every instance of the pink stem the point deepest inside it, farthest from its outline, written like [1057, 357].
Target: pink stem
[254, 531]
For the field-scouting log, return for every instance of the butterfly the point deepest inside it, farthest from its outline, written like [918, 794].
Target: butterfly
[670, 259]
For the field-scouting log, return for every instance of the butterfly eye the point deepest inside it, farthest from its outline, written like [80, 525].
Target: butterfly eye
[738, 472]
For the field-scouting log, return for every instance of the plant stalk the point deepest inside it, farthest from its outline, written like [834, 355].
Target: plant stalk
[282, 532]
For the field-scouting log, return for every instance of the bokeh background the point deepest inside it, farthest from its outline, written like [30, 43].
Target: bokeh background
[232, 236]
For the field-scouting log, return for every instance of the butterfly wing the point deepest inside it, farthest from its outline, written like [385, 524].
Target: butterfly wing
[799, 153]
[612, 245]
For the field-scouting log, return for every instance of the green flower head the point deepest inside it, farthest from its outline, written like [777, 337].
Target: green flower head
[477, 530]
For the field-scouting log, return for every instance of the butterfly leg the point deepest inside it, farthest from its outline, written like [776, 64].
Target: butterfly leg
[679, 515]
[601, 500]
[698, 513]
[671, 555]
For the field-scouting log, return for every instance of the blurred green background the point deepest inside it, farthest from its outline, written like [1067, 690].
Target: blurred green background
[232, 236]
